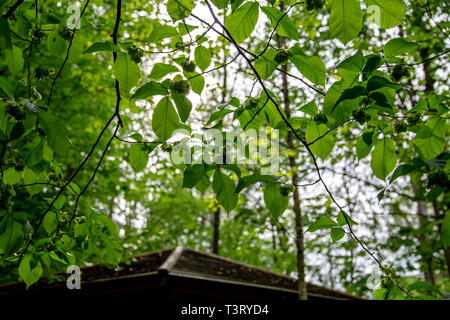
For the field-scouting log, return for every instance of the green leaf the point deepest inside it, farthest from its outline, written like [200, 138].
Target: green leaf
[5, 32]
[400, 171]
[310, 108]
[266, 64]
[362, 147]
[397, 47]
[248, 181]
[197, 84]
[165, 119]
[202, 57]
[160, 70]
[218, 116]
[138, 157]
[386, 13]
[102, 46]
[242, 22]
[29, 270]
[7, 87]
[425, 285]
[127, 72]
[11, 176]
[55, 44]
[179, 9]
[445, 231]
[183, 104]
[311, 67]
[50, 222]
[322, 223]
[192, 175]
[337, 234]
[107, 222]
[12, 236]
[350, 94]
[322, 147]
[224, 188]
[342, 221]
[384, 158]
[151, 88]
[30, 177]
[342, 111]
[285, 26]
[162, 32]
[346, 19]
[430, 139]
[274, 200]
[14, 59]
[221, 4]
[377, 82]
[56, 133]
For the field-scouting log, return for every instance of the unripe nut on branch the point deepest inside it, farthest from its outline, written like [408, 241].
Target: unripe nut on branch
[15, 110]
[181, 87]
[188, 66]
[251, 103]
[314, 4]
[282, 56]
[286, 189]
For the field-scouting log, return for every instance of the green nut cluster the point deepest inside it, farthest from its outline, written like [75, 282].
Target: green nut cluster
[55, 177]
[286, 189]
[188, 66]
[282, 56]
[440, 179]
[360, 115]
[414, 118]
[41, 73]
[65, 33]
[15, 110]
[6, 194]
[388, 280]
[40, 132]
[181, 87]
[314, 4]
[251, 103]
[400, 126]
[399, 72]
[19, 165]
[166, 148]
[180, 45]
[135, 53]
[321, 118]
[36, 35]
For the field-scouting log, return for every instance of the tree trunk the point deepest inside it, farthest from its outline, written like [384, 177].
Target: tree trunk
[216, 214]
[426, 259]
[216, 230]
[437, 215]
[302, 292]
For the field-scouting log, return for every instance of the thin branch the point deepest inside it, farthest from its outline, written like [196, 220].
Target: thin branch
[12, 9]
[67, 54]
[294, 132]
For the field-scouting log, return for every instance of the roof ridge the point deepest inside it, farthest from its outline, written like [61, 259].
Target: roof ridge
[172, 259]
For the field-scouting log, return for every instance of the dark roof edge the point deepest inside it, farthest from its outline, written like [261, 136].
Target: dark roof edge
[350, 296]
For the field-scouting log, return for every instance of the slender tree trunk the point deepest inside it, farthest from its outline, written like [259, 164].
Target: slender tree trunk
[437, 216]
[302, 292]
[426, 258]
[274, 245]
[216, 231]
[216, 214]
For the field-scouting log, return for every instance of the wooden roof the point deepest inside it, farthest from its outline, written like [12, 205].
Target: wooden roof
[189, 264]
